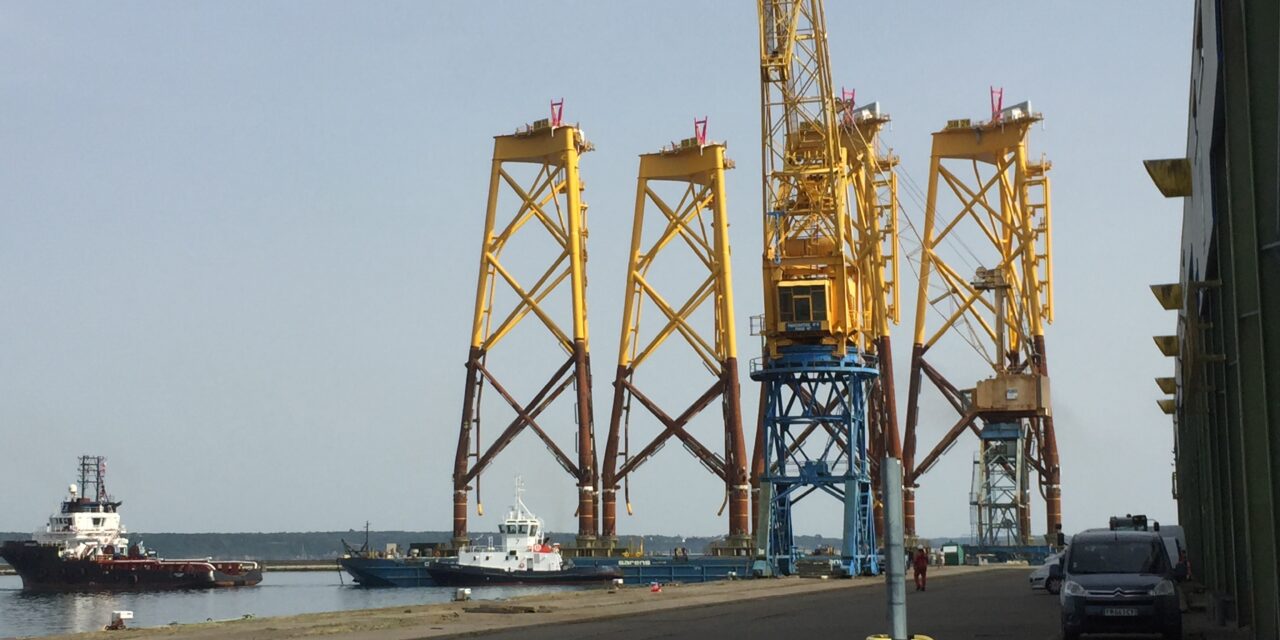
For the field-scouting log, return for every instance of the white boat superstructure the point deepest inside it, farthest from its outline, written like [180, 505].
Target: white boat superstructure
[84, 527]
[82, 548]
[524, 546]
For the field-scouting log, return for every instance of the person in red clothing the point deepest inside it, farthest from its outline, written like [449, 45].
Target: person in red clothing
[920, 566]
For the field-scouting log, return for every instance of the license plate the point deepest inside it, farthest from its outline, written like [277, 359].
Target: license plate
[1119, 611]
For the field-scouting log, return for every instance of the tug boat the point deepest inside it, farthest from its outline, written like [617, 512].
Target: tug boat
[82, 548]
[525, 557]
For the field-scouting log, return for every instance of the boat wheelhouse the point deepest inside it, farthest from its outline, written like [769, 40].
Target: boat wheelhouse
[88, 521]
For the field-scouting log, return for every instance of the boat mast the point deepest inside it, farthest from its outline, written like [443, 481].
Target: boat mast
[93, 471]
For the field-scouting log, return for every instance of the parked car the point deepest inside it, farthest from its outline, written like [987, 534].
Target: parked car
[1119, 582]
[1040, 578]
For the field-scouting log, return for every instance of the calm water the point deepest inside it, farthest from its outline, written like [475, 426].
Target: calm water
[281, 593]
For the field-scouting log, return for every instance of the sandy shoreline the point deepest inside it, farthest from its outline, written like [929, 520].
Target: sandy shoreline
[460, 618]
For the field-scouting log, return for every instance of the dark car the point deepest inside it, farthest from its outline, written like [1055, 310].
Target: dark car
[1119, 582]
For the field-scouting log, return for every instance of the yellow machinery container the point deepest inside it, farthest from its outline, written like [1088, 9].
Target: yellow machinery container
[1013, 392]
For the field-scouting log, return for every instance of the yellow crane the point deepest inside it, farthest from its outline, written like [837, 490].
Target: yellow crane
[817, 360]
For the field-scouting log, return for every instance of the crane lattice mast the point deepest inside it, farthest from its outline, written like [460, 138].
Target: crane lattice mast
[814, 369]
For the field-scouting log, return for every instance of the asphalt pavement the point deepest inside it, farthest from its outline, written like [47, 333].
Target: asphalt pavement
[990, 605]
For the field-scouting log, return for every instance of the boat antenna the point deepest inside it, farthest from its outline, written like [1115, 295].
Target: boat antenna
[519, 506]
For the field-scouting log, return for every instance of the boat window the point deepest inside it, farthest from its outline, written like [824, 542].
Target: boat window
[524, 528]
[533, 530]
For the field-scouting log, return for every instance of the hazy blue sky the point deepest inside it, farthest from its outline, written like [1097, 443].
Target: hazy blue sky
[238, 241]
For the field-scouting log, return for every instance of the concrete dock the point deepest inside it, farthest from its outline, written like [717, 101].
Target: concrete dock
[990, 602]
[971, 601]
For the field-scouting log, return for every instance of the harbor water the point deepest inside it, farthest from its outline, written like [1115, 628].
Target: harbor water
[281, 593]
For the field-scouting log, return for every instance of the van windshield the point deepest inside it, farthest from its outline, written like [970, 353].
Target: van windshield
[1116, 556]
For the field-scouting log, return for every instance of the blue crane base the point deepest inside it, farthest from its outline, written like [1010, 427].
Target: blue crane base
[815, 440]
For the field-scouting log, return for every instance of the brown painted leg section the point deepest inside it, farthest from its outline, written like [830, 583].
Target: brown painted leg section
[875, 451]
[757, 459]
[889, 404]
[460, 518]
[909, 513]
[1053, 490]
[469, 409]
[909, 442]
[609, 478]
[736, 480]
[889, 436]
[588, 476]
[1049, 455]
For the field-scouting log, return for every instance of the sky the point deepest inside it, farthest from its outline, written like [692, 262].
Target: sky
[238, 242]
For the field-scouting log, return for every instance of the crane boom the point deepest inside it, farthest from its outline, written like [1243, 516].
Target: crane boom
[810, 268]
[814, 369]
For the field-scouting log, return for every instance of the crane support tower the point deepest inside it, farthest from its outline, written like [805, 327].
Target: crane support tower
[988, 202]
[999, 487]
[873, 181]
[815, 366]
[534, 186]
[681, 194]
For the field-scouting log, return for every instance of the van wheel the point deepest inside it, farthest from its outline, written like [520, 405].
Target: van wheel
[1053, 585]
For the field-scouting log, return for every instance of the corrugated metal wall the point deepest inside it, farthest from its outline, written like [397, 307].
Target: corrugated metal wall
[1228, 370]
